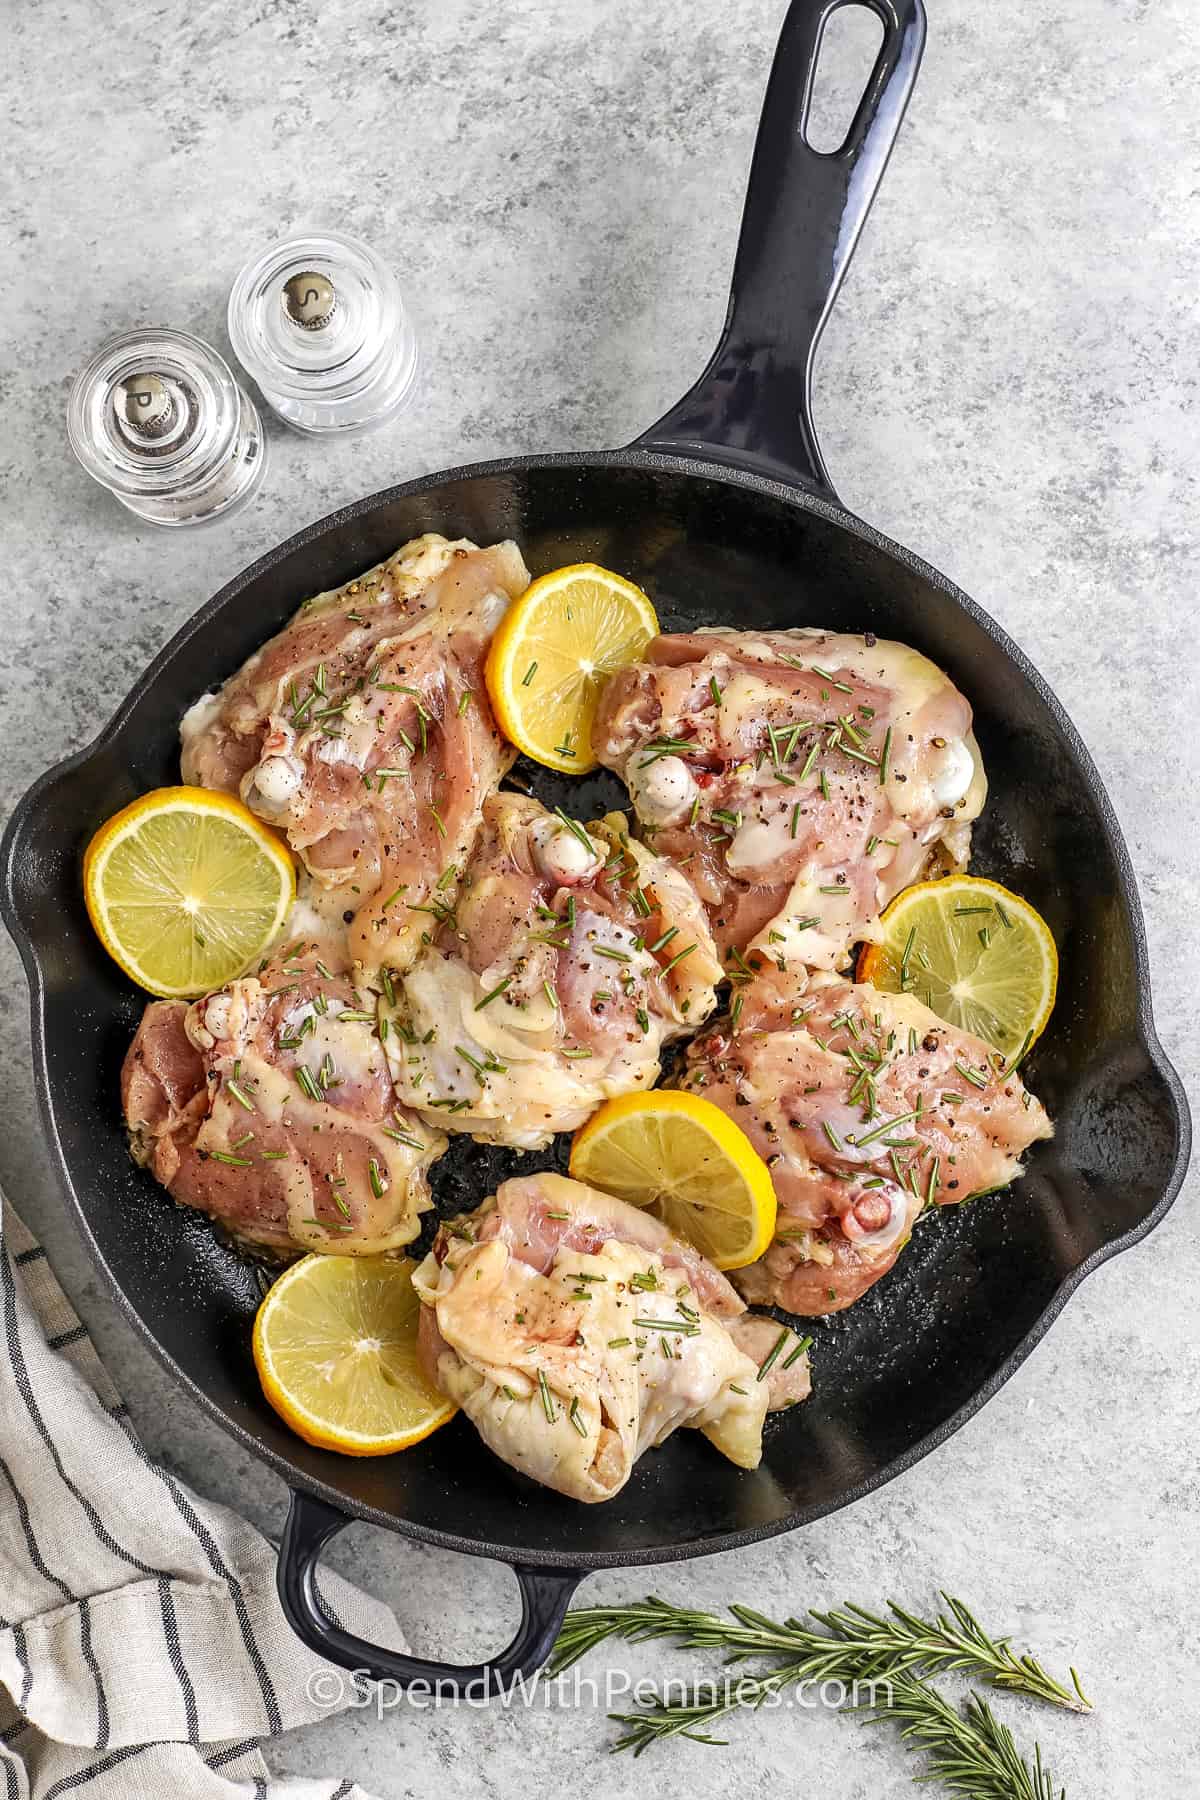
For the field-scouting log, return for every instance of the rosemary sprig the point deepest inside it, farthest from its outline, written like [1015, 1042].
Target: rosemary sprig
[855, 1643]
[971, 1752]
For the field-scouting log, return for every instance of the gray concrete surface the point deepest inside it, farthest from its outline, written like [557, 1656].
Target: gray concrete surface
[1008, 385]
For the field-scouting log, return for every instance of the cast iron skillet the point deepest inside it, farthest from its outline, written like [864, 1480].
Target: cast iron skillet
[724, 511]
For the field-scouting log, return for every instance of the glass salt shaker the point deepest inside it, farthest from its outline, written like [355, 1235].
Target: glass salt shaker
[320, 325]
[158, 418]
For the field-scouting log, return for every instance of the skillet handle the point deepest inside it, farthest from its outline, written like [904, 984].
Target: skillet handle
[752, 407]
[545, 1596]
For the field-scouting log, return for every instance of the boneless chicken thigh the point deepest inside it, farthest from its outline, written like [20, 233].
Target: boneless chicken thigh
[362, 731]
[570, 958]
[575, 1332]
[268, 1105]
[801, 778]
[866, 1108]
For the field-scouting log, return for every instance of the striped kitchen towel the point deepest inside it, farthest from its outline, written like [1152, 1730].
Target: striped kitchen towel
[143, 1651]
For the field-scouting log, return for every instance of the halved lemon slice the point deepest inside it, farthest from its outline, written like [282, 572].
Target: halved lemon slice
[335, 1346]
[186, 888]
[977, 955]
[678, 1156]
[555, 648]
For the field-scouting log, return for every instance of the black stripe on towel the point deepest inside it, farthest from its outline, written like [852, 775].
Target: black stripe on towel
[89, 1657]
[19, 1646]
[62, 1339]
[82, 1776]
[31, 1543]
[25, 1388]
[34, 1254]
[232, 1753]
[175, 1652]
[217, 1563]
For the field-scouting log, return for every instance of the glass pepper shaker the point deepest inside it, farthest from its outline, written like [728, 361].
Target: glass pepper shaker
[158, 418]
[320, 324]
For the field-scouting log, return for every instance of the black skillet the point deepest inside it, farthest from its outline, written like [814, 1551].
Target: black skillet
[724, 512]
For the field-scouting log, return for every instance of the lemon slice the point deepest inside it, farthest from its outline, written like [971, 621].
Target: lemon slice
[555, 648]
[977, 955]
[335, 1346]
[186, 888]
[678, 1156]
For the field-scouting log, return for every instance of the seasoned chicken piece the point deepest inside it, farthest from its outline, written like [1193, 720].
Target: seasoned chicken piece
[363, 732]
[575, 1331]
[866, 1108]
[268, 1105]
[571, 958]
[802, 778]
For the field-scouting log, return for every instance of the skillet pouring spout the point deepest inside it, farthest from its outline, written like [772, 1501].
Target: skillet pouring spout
[723, 512]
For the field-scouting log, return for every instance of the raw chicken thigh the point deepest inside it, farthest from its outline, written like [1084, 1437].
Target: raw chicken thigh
[575, 1331]
[571, 958]
[802, 778]
[268, 1105]
[866, 1108]
[363, 733]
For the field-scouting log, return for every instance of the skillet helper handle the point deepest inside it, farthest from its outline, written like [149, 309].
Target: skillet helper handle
[752, 407]
[545, 1596]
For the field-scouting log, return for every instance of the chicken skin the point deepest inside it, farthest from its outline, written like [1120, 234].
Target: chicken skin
[866, 1108]
[362, 731]
[268, 1105]
[801, 778]
[570, 959]
[575, 1332]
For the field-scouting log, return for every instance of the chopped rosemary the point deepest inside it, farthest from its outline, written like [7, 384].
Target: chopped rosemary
[576, 829]
[402, 1137]
[765, 1366]
[869, 1137]
[971, 1075]
[665, 747]
[500, 988]
[307, 1085]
